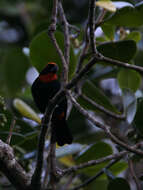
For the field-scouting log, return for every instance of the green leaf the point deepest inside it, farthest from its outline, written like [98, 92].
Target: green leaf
[109, 30]
[115, 169]
[43, 51]
[95, 151]
[29, 142]
[15, 68]
[121, 50]
[129, 79]
[128, 16]
[118, 184]
[21, 129]
[118, 167]
[135, 35]
[138, 121]
[95, 94]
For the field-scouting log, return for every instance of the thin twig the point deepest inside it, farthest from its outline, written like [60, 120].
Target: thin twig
[51, 31]
[66, 33]
[52, 165]
[92, 7]
[105, 127]
[99, 20]
[132, 172]
[101, 108]
[97, 58]
[73, 27]
[47, 170]
[36, 178]
[93, 178]
[84, 50]
[120, 63]
[94, 162]
[10, 131]
[82, 72]
[68, 183]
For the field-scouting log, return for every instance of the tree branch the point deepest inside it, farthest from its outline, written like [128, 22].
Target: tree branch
[93, 178]
[106, 128]
[94, 162]
[84, 49]
[66, 33]
[36, 178]
[91, 21]
[120, 64]
[132, 172]
[11, 168]
[101, 108]
[51, 31]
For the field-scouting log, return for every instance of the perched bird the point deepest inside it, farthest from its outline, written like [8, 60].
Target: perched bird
[43, 89]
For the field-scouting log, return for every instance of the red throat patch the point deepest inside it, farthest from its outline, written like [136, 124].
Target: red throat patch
[48, 78]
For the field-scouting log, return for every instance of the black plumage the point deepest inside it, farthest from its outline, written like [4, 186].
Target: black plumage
[43, 89]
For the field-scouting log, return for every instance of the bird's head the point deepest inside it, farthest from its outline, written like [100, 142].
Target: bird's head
[50, 68]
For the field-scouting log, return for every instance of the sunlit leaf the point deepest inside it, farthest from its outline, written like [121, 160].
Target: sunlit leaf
[108, 5]
[26, 110]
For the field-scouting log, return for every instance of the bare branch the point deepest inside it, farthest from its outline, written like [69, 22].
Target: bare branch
[120, 64]
[132, 172]
[66, 33]
[91, 21]
[73, 27]
[78, 76]
[11, 168]
[106, 128]
[100, 18]
[52, 165]
[94, 162]
[52, 27]
[36, 178]
[69, 181]
[101, 108]
[93, 178]
[84, 50]
[98, 57]
[51, 31]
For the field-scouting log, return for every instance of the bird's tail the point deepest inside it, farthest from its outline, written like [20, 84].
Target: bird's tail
[61, 133]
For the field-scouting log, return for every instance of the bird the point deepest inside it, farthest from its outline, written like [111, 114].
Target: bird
[44, 88]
